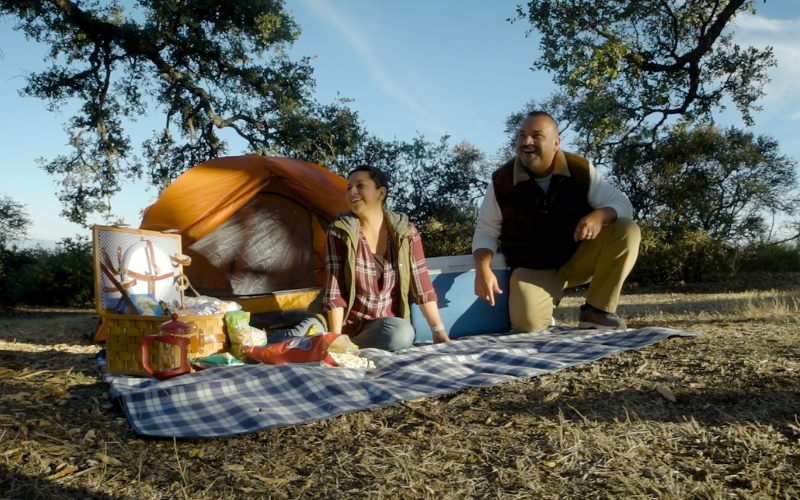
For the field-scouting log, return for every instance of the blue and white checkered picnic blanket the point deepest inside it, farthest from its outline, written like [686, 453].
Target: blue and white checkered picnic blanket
[232, 400]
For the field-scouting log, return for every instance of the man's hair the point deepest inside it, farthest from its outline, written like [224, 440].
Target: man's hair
[377, 175]
[537, 113]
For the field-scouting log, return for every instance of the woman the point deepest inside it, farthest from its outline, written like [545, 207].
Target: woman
[373, 261]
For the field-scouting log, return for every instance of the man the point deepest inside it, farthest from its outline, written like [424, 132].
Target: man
[559, 224]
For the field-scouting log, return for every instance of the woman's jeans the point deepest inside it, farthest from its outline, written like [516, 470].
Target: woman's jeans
[389, 334]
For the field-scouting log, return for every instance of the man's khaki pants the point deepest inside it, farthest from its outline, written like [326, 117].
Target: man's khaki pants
[604, 262]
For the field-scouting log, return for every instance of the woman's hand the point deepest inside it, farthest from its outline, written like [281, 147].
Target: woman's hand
[431, 312]
[440, 336]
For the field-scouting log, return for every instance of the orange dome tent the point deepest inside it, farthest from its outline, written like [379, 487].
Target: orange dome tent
[254, 227]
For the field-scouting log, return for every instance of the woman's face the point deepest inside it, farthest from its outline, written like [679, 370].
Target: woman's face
[362, 194]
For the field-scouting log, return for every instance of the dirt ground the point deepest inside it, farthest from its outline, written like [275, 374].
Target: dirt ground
[608, 429]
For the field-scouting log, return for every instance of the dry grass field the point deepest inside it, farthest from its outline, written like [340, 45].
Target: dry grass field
[608, 429]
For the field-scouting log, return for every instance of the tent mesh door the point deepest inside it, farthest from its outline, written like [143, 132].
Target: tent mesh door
[264, 247]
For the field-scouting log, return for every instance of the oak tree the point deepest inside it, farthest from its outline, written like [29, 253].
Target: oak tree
[626, 67]
[729, 184]
[202, 66]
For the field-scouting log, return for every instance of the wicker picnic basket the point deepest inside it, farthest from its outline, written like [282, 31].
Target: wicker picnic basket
[128, 261]
[124, 334]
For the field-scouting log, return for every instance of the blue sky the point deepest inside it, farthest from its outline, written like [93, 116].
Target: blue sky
[433, 67]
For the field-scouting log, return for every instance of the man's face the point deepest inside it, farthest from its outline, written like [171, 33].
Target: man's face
[537, 143]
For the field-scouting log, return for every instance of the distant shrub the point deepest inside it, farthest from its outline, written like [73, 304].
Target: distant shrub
[453, 238]
[781, 258]
[60, 277]
[670, 256]
[66, 276]
[681, 257]
[15, 273]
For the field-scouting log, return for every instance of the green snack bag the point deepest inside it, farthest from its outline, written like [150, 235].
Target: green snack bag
[241, 334]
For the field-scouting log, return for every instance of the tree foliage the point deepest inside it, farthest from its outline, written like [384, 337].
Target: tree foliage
[14, 221]
[627, 67]
[726, 183]
[205, 65]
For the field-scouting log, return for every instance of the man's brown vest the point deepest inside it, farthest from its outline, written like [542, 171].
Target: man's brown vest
[538, 227]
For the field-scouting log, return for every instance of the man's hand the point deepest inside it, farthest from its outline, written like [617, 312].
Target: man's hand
[486, 285]
[485, 281]
[590, 226]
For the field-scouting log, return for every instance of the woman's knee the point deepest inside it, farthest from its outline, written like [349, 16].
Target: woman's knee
[402, 335]
[398, 333]
[389, 334]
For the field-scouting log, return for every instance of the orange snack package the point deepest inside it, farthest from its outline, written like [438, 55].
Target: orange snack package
[303, 349]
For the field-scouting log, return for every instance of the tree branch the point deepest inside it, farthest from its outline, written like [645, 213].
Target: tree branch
[136, 44]
[704, 43]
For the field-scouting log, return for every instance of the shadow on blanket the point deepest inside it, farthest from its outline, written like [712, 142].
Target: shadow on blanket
[232, 400]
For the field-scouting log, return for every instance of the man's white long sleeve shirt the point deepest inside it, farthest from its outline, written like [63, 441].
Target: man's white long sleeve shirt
[601, 195]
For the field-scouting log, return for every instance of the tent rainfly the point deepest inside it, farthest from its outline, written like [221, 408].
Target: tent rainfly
[254, 227]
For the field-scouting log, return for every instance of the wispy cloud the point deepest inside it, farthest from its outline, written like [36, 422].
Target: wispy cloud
[783, 35]
[766, 25]
[384, 79]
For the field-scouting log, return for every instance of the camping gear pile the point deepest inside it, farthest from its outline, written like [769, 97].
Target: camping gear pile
[250, 248]
[151, 328]
[139, 284]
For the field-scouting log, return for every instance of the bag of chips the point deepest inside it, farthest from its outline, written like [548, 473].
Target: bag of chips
[303, 349]
[241, 334]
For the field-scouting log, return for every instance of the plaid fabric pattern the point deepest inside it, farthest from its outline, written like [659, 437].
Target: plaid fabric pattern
[235, 400]
[422, 290]
[374, 298]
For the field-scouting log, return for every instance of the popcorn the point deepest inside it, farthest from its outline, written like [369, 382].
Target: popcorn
[349, 360]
